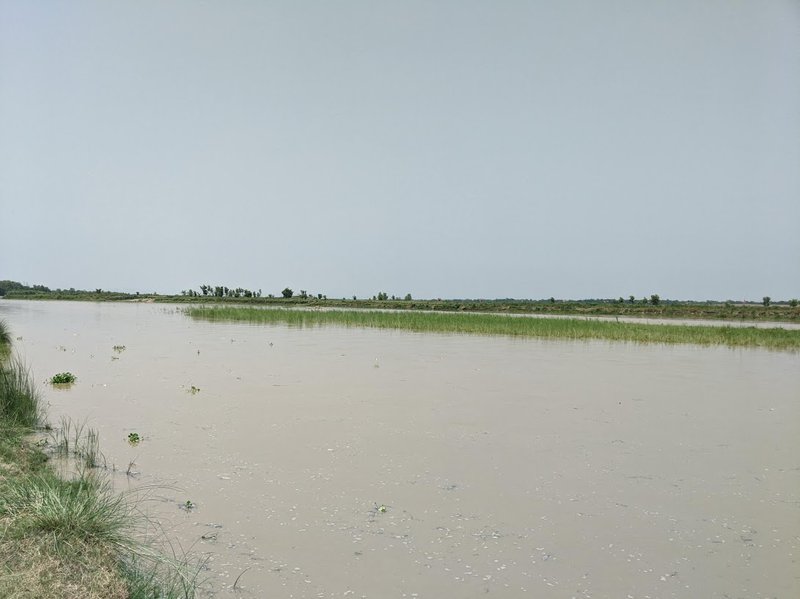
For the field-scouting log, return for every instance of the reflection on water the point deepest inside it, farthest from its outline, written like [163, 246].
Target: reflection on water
[360, 463]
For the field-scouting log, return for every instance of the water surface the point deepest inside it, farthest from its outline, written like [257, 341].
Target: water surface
[329, 462]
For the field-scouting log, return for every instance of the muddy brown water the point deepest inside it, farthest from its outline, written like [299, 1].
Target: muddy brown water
[329, 462]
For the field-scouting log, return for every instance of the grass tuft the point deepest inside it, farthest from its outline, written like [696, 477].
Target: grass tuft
[73, 439]
[20, 403]
[5, 335]
[66, 512]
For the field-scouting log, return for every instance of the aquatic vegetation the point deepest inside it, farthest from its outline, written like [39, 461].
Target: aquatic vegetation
[514, 326]
[74, 439]
[119, 348]
[134, 439]
[90, 453]
[63, 378]
[193, 390]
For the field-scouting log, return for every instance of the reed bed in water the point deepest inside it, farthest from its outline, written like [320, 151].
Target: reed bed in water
[497, 324]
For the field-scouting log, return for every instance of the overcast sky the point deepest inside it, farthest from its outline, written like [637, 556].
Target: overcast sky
[440, 148]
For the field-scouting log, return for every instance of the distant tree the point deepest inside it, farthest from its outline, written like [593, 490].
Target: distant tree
[621, 300]
[303, 293]
[631, 299]
[408, 297]
[354, 298]
[319, 296]
[654, 299]
[382, 296]
[98, 290]
[552, 300]
[766, 301]
[644, 300]
[793, 303]
[287, 293]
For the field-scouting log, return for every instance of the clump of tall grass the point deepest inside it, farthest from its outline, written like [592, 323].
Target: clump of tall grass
[75, 440]
[66, 511]
[20, 403]
[87, 535]
[515, 326]
[5, 335]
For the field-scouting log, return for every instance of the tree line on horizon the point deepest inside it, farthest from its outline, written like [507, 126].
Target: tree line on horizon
[223, 291]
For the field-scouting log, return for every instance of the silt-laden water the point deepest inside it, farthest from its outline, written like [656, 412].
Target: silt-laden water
[329, 462]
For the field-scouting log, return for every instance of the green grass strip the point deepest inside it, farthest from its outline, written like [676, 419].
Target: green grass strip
[498, 324]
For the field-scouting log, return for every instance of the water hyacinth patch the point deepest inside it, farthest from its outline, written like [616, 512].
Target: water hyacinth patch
[63, 378]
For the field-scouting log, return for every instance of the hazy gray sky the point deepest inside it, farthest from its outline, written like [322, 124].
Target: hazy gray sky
[440, 148]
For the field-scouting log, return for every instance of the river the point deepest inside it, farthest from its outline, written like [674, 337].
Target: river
[329, 462]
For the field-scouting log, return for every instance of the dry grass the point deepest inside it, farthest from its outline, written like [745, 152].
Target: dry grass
[32, 568]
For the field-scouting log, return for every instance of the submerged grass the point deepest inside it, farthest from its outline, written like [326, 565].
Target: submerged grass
[74, 440]
[498, 324]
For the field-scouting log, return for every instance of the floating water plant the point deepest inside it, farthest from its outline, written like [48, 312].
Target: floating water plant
[134, 439]
[119, 348]
[188, 505]
[193, 390]
[63, 378]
